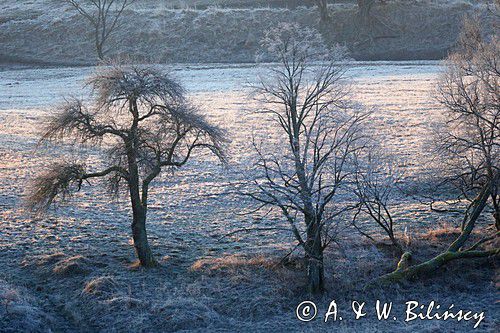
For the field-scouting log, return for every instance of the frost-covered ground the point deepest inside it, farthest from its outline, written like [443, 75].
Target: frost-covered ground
[48, 31]
[71, 270]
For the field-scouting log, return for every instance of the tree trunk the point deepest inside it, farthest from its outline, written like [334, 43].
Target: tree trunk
[430, 266]
[496, 210]
[141, 244]
[98, 43]
[394, 241]
[314, 256]
[100, 53]
[323, 10]
[471, 215]
[139, 209]
[315, 274]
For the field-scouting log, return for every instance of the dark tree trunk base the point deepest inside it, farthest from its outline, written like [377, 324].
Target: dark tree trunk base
[146, 259]
[141, 244]
[316, 276]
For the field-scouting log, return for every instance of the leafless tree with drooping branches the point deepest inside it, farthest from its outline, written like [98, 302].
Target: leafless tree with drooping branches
[319, 130]
[104, 16]
[143, 120]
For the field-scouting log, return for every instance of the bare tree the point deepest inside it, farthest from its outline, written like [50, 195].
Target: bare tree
[469, 90]
[319, 131]
[104, 16]
[145, 124]
[375, 182]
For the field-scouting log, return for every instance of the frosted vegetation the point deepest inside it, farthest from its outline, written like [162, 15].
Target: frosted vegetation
[227, 282]
[223, 263]
[48, 31]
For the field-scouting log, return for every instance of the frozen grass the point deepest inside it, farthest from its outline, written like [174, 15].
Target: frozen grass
[231, 262]
[58, 264]
[256, 293]
[20, 312]
[74, 265]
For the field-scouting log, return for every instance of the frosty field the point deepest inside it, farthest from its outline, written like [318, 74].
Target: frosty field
[72, 268]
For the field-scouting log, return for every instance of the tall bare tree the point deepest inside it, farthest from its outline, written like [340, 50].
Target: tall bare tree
[470, 144]
[104, 16]
[470, 92]
[145, 123]
[319, 130]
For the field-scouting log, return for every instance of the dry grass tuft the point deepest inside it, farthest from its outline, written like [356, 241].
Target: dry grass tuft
[59, 264]
[443, 234]
[232, 262]
[101, 286]
[77, 265]
[43, 259]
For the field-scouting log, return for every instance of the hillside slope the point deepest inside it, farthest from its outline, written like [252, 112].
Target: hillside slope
[46, 31]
